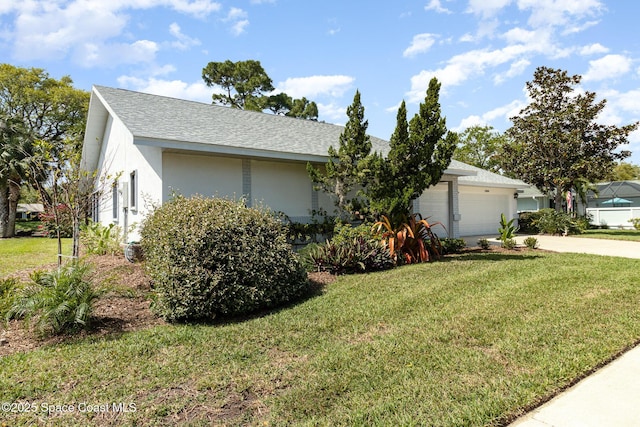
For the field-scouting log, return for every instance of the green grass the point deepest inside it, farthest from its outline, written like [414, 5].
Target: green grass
[474, 340]
[611, 234]
[29, 252]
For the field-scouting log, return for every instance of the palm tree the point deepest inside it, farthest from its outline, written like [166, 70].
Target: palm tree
[582, 187]
[15, 149]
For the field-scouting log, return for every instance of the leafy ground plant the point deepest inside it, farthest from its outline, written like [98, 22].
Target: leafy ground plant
[531, 242]
[507, 230]
[99, 239]
[57, 301]
[412, 241]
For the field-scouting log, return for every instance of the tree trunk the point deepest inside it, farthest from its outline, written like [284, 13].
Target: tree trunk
[4, 210]
[558, 200]
[14, 196]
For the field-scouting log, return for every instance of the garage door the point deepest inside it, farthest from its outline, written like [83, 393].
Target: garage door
[481, 209]
[434, 206]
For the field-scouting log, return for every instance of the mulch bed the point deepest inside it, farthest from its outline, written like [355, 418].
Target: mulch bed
[124, 310]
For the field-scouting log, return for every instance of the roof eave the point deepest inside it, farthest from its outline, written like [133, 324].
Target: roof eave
[227, 150]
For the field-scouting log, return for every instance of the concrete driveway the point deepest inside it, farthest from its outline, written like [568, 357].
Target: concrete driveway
[620, 248]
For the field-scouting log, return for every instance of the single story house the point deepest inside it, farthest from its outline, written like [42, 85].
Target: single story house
[29, 210]
[615, 194]
[154, 146]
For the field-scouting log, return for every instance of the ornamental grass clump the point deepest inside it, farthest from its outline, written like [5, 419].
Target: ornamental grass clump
[58, 301]
[211, 256]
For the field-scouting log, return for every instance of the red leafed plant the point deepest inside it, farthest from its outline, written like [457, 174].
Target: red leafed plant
[410, 241]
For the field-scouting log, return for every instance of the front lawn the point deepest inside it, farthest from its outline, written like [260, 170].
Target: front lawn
[23, 253]
[474, 340]
[612, 234]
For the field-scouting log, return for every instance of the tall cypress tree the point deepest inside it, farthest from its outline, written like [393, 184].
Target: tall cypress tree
[419, 154]
[345, 167]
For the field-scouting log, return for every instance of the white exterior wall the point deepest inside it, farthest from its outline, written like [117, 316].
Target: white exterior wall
[480, 209]
[188, 174]
[282, 186]
[119, 157]
[435, 206]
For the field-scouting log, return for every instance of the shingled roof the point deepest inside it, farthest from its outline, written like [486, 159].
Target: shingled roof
[179, 124]
[163, 119]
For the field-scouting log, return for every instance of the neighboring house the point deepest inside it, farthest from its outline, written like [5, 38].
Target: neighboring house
[531, 199]
[611, 192]
[615, 203]
[156, 146]
[29, 210]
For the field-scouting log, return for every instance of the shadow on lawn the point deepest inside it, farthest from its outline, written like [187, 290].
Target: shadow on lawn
[481, 255]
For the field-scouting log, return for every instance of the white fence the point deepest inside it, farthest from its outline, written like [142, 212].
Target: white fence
[613, 217]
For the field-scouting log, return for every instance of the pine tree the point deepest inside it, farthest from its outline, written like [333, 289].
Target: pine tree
[420, 152]
[346, 166]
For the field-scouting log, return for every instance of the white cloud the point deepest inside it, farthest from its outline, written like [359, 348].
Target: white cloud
[546, 13]
[99, 55]
[314, 86]
[173, 88]
[45, 29]
[420, 44]
[238, 19]
[467, 65]
[487, 8]
[504, 112]
[182, 42]
[517, 68]
[593, 49]
[436, 6]
[469, 121]
[573, 29]
[332, 113]
[610, 66]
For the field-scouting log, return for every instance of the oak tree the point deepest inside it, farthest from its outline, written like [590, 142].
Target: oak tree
[479, 146]
[556, 140]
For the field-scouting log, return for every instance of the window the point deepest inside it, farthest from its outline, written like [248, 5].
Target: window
[114, 199]
[95, 207]
[133, 190]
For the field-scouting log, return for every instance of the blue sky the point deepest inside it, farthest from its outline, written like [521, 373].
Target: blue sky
[482, 51]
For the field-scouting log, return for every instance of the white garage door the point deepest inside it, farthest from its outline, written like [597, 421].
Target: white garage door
[481, 210]
[433, 205]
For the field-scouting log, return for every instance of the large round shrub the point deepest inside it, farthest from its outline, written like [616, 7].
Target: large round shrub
[212, 256]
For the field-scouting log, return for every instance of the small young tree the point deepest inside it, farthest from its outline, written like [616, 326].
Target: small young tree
[346, 166]
[420, 152]
[555, 141]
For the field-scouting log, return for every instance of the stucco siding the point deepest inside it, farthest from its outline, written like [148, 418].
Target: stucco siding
[282, 186]
[188, 175]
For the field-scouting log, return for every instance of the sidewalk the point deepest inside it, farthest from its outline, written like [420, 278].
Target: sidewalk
[610, 396]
